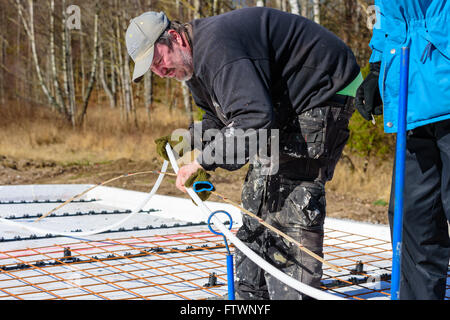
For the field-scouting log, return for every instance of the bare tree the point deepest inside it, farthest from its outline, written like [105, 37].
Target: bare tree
[124, 69]
[215, 7]
[28, 24]
[282, 5]
[148, 77]
[57, 87]
[42, 57]
[3, 45]
[108, 90]
[148, 93]
[69, 84]
[294, 6]
[185, 90]
[316, 11]
[261, 3]
[304, 4]
[93, 68]
[62, 100]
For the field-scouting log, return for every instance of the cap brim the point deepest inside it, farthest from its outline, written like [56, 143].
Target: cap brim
[143, 64]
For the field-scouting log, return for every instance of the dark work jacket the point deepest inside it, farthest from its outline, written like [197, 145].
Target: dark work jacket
[255, 68]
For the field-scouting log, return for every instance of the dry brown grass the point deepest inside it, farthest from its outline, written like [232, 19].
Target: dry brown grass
[368, 180]
[36, 133]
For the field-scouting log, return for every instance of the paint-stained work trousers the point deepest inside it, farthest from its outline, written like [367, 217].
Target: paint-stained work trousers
[293, 201]
[426, 243]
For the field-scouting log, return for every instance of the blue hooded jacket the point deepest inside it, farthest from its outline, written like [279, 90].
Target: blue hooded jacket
[424, 27]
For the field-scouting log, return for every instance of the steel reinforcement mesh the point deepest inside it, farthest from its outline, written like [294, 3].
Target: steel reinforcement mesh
[188, 265]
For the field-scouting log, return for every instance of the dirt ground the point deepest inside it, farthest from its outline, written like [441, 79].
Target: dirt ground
[22, 171]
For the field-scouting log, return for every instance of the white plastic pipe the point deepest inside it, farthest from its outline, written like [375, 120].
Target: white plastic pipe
[293, 283]
[90, 233]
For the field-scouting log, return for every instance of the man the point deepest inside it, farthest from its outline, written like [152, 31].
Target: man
[252, 70]
[423, 26]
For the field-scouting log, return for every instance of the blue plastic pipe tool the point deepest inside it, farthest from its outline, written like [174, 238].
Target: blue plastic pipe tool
[200, 186]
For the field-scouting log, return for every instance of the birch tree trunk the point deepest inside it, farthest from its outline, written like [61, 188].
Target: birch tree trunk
[57, 87]
[127, 85]
[184, 88]
[304, 7]
[64, 62]
[70, 77]
[294, 6]
[124, 60]
[148, 93]
[187, 102]
[120, 67]
[93, 68]
[112, 65]
[316, 11]
[215, 7]
[82, 67]
[282, 5]
[29, 29]
[350, 10]
[3, 45]
[69, 86]
[108, 91]
[16, 82]
[261, 3]
[197, 10]
[2, 74]
[148, 76]
[179, 10]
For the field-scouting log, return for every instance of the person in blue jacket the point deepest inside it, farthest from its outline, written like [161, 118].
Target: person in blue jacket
[424, 27]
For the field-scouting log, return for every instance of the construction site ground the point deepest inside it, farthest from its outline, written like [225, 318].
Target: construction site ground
[25, 171]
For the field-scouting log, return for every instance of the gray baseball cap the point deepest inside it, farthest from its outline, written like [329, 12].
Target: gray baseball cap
[141, 36]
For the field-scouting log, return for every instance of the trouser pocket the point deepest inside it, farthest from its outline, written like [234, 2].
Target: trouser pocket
[302, 205]
[293, 261]
[319, 134]
[305, 137]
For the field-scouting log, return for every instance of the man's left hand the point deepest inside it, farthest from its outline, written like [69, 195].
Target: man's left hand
[368, 99]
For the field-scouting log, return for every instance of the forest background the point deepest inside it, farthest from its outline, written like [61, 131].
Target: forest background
[69, 112]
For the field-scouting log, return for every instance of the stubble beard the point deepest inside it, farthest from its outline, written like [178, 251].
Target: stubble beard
[188, 67]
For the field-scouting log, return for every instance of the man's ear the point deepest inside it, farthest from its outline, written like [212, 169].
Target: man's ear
[178, 38]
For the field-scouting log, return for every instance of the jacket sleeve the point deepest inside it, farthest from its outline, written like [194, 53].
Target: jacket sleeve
[209, 120]
[241, 96]
[379, 34]
[197, 129]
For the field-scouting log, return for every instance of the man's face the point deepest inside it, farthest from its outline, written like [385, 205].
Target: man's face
[173, 63]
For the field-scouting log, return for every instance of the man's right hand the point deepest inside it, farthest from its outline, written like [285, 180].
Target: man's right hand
[368, 99]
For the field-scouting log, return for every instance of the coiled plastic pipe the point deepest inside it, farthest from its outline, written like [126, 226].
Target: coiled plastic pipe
[293, 283]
